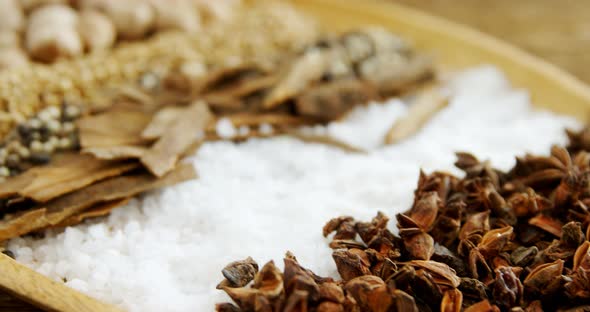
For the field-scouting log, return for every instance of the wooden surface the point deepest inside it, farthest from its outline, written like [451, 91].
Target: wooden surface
[30, 286]
[556, 30]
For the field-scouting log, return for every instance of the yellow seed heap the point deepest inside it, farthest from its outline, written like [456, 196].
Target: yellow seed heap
[258, 33]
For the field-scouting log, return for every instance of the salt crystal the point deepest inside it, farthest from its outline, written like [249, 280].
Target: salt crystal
[243, 130]
[225, 128]
[164, 251]
[265, 129]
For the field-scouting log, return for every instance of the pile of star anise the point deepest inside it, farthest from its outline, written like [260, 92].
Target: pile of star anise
[491, 241]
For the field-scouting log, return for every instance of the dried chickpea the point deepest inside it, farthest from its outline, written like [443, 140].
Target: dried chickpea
[52, 33]
[96, 30]
[11, 16]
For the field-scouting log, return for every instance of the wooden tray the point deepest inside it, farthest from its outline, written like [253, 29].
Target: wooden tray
[454, 47]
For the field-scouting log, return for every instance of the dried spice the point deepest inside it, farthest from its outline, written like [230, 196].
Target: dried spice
[423, 108]
[303, 72]
[59, 209]
[163, 155]
[113, 128]
[95, 211]
[326, 140]
[333, 100]
[65, 174]
[490, 241]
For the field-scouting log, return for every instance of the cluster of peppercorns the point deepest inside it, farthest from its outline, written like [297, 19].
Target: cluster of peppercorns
[36, 139]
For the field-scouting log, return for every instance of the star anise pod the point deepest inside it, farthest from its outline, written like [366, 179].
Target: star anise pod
[578, 141]
[474, 168]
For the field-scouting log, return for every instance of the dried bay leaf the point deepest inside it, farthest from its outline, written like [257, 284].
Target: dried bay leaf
[329, 101]
[223, 75]
[22, 223]
[116, 152]
[303, 72]
[223, 102]
[427, 104]
[163, 155]
[59, 209]
[161, 121]
[113, 128]
[327, 140]
[66, 173]
[98, 210]
[248, 86]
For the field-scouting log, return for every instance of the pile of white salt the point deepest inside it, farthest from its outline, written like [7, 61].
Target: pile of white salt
[165, 251]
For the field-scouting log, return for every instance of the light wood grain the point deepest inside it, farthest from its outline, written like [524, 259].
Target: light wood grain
[557, 31]
[457, 46]
[40, 291]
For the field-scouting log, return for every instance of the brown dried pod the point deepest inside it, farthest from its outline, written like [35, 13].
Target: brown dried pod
[571, 187]
[268, 285]
[528, 203]
[442, 273]
[296, 301]
[452, 301]
[403, 277]
[351, 263]
[296, 279]
[534, 306]
[346, 244]
[507, 289]
[494, 240]
[446, 256]
[475, 224]
[426, 289]
[330, 291]
[439, 182]
[226, 307]
[547, 223]
[403, 302]
[239, 273]
[328, 306]
[425, 210]
[420, 246]
[523, 256]
[385, 269]
[474, 168]
[572, 235]
[578, 141]
[448, 223]
[544, 278]
[582, 257]
[330, 101]
[473, 290]
[472, 231]
[478, 265]
[582, 308]
[482, 306]
[370, 293]
[343, 226]
[478, 192]
[367, 231]
[553, 251]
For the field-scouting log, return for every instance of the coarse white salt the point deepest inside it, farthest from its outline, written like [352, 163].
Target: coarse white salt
[266, 129]
[165, 250]
[225, 128]
[243, 130]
